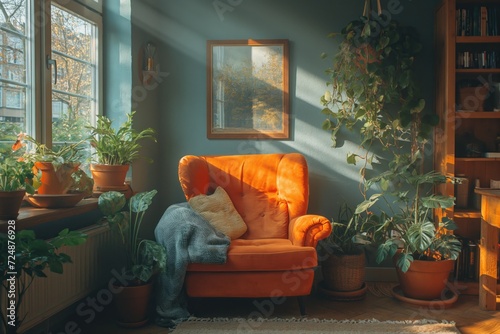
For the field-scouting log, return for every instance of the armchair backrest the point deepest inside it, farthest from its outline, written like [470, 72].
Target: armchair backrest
[267, 190]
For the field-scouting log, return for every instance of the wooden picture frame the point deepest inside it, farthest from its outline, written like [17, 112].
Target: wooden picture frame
[248, 89]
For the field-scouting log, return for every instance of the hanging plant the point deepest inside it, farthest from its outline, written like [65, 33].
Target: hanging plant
[373, 70]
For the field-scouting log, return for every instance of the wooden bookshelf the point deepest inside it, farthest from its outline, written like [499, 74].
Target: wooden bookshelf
[466, 133]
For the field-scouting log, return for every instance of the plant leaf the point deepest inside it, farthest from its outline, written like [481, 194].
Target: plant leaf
[140, 202]
[404, 261]
[366, 204]
[438, 201]
[386, 250]
[111, 202]
[420, 236]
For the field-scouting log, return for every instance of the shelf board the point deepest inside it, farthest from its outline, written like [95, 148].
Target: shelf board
[477, 114]
[466, 213]
[477, 70]
[477, 39]
[477, 159]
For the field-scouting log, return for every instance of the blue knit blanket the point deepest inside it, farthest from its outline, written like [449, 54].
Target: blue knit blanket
[188, 238]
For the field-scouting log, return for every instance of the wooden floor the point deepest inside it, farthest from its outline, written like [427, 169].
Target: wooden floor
[378, 304]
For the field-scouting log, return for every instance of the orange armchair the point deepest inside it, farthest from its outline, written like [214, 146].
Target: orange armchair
[276, 257]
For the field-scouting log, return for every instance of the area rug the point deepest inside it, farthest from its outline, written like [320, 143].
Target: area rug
[309, 326]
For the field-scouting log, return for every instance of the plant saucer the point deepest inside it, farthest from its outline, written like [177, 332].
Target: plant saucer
[450, 297]
[54, 201]
[344, 295]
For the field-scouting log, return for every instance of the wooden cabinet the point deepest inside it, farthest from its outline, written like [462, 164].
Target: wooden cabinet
[467, 101]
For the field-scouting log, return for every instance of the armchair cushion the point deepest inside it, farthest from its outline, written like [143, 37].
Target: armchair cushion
[219, 211]
[262, 255]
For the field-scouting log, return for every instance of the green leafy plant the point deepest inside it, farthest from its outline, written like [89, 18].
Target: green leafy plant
[24, 258]
[144, 257]
[409, 225]
[66, 161]
[374, 93]
[67, 154]
[120, 146]
[15, 173]
[372, 70]
[348, 234]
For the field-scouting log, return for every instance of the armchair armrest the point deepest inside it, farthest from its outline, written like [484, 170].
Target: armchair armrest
[307, 230]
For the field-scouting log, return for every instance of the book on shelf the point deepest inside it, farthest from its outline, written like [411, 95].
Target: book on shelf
[492, 155]
[477, 59]
[476, 20]
[467, 264]
[484, 21]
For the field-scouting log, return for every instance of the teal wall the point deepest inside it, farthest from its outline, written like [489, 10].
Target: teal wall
[177, 105]
[117, 60]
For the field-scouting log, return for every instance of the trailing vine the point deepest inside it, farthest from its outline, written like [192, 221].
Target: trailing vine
[371, 76]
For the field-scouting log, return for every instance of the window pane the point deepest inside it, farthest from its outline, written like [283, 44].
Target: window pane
[74, 96]
[13, 15]
[14, 88]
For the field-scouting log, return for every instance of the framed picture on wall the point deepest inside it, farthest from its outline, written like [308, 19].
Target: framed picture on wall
[247, 89]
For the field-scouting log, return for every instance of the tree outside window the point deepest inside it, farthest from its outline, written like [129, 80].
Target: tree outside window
[74, 47]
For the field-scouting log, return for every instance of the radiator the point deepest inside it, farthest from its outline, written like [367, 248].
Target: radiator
[93, 262]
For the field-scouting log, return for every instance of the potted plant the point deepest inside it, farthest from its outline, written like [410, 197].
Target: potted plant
[144, 258]
[57, 167]
[373, 92]
[423, 251]
[343, 257]
[115, 150]
[29, 259]
[16, 179]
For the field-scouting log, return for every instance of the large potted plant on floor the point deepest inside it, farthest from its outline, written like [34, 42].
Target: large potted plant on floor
[16, 179]
[144, 258]
[374, 93]
[342, 257]
[115, 150]
[29, 259]
[424, 252]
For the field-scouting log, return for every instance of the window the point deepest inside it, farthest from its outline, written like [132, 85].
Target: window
[13, 98]
[55, 102]
[59, 110]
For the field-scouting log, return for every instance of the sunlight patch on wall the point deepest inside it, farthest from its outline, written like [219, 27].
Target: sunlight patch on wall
[311, 87]
[125, 8]
[170, 31]
[124, 54]
[319, 148]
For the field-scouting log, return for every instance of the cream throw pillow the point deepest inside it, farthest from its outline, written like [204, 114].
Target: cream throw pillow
[219, 211]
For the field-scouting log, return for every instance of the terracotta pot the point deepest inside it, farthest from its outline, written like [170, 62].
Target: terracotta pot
[10, 203]
[425, 280]
[344, 272]
[132, 305]
[55, 182]
[109, 177]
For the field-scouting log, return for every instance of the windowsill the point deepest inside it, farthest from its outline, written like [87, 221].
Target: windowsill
[30, 217]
